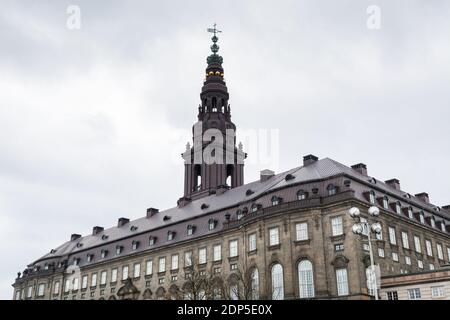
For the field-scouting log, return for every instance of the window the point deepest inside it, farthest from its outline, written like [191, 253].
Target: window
[301, 230]
[211, 224]
[429, 249]
[408, 260]
[151, 241]
[275, 200]
[431, 266]
[174, 262]
[414, 294]
[234, 292]
[305, 279]
[94, 280]
[30, 291]
[432, 222]
[89, 258]
[439, 251]
[437, 292]
[17, 296]
[149, 267]
[417, 244]
[125, 272]
[233, 266]
[420, 264]
[56, 288]
[381, 252]
[392, 295]
[104, 254]
[84, 282]
[217, 252]
[422, 217]
[170, 235]
[190, 230]
[443, 228]
[239, 214]
[135, 245]
[410, 213]
[386, 203]
[136, 270]
[202, 256]
[233, 248]
[336, 226]
[379, 236]
[302, 195]
[76, 283]
[41, 290]
[342, 282]
[405, 240]
[277, 282]
[332, 190]
[103, 276]
[188, 258]
[254, 208]
[274, 238]
[339, 247]
[365, 227]
[162, 264]
[392, 237]
[254, 284]
[398, 208]
[395, 256]
[252, 242]
[114, 275]
[118, 250]
[372, 197]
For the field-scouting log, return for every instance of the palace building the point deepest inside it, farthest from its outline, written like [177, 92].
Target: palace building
[285, 236]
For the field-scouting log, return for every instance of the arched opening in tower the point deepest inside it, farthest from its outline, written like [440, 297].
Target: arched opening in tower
[230, 170]
[197, 177]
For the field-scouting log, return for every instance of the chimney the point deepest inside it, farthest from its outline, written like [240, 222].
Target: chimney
[309, 159]
[423, 197]
[96, 230]
[151, 212]
[74, 237]
[446, 207]
[122, 221]
[361, 168]
[394, 183]
[266, 175]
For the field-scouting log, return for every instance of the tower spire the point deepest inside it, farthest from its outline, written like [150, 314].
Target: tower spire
[214, 58]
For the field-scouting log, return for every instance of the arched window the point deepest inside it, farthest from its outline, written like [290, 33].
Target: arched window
[398, 208]
[254, 284]
[410, 213]
[197, 177]
[305, 279]
[385, 203]
[277, 282]
[230, 170]
[332, 189]
[302, 195]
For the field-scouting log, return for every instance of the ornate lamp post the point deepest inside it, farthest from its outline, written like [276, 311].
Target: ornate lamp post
[364, 228]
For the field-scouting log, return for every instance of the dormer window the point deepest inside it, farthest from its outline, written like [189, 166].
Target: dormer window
[79, 245]
[104, 237]
[170, 235]
[151, 241]
[76, 261]
[398, 208]
[443, 228]
[134, 245]
[253, 208]
[133, 228]
[239, 214]
[372, 197]
[89, 257]
[410, 213]
[52, 251]
[212, 224]
[432, 222]
[118, 250]
[104, 253]
[275, 200]
[422, 217]
[46, 266]
[190, 230]
[302, 195]
[385, 203]
[332, 189]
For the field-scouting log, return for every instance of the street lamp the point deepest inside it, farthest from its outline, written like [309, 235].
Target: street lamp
[366, 228]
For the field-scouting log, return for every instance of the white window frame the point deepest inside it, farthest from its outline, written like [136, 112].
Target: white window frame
[162, 264]
[381, 253]
[41, 290]
[438, 291]
[440, 252]
[414, 294]
[301, 231]
[394, 256]
[125, 272]
[233, 244]
[252, 242]
[408, 260]
[114, 273]
[56, 287]
[217, 252]
[305, 279]
[392, 236]
[94, 280]
[274, 236]
[277, 277]
[137, 270]
[174, 262]
[417, 244]
[202, 256]
[405, 240]
[337, 226]
[429, 248]
[149, 267]
[84, 281]
[188, 259]
[342, 282]
[103, 277]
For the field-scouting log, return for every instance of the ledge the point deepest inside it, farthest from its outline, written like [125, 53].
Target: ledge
[274, 247]
[340, 237]
[302, 242]
[251, 253]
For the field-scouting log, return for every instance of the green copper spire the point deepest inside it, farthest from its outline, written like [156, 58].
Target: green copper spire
[214, 58]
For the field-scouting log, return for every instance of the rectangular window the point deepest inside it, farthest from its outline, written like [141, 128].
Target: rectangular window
[420, 264]
[149, 267]
[379, 236]
[94, 280]
[336, 226]
[437, 292]
[76, 283]
[233, 248]
[365, 229]
[395, 256]
[392, 237]
[431, 266]
[381, 252]
[124, 272]
[217, 252]
[174, 262]
[41, 289]
[202, 256]
[103, 277]
[408, 260]
[84, 282]
[67, 286]
[136, 270]
[114, 275]
[392, 295]
[439, 251]
[252, 242]
[274, 237]
[429, 248]
[414, 294]
[339, 247]
[30, 291]
[405, 240]
[417, 244]
[56, 288]
[422, 218]
[188, 258]
[342, 282]
[301, 231]
[162, 264]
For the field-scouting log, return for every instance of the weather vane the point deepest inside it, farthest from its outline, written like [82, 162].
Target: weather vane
[214, 30]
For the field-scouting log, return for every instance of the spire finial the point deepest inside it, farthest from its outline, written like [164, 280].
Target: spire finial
[214, 58]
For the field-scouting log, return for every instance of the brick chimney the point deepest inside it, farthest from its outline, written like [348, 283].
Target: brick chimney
[122, 221]
[75, 236]
[393, 183]
[423, 197]
[309, 159]
[151, 212]
[266, 175]
[361, 168]
[96, 230]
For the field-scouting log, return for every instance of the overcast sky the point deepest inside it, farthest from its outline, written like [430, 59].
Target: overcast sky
[93, 120]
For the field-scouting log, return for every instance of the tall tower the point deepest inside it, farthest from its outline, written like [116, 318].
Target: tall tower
[213, 164]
